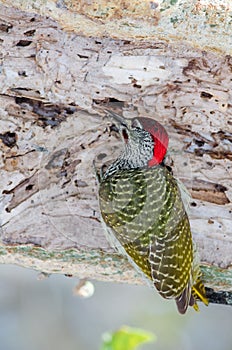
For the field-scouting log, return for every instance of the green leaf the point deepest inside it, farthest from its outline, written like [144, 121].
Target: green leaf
[126, 338]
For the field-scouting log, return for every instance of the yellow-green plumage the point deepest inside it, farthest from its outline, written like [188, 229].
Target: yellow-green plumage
[143, 209]
[149, 221]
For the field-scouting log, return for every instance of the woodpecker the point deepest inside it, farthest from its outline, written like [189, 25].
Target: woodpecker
[143, 211]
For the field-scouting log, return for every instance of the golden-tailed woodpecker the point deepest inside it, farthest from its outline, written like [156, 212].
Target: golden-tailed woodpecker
[142, 208]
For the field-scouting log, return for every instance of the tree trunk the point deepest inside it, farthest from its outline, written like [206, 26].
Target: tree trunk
[52, 83]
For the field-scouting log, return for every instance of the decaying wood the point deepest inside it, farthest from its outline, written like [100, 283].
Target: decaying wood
[205, 24]
[52, 84]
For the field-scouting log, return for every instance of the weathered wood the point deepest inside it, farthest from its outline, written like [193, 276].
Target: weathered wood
[51, 83]
[206, 24]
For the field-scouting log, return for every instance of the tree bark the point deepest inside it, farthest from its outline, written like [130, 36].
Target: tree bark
[52, 83]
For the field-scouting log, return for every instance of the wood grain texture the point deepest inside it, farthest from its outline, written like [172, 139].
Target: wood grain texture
[51, 85]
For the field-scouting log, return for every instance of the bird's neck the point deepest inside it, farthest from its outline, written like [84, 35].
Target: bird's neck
[130, 159]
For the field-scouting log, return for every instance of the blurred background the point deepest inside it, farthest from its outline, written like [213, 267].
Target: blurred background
[44, 314]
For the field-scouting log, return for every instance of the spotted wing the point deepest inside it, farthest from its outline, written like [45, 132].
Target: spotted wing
[171, 252]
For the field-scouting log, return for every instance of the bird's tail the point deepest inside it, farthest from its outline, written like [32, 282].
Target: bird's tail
[190, 296]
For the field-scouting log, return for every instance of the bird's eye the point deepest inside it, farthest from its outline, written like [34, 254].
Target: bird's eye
[124, 125]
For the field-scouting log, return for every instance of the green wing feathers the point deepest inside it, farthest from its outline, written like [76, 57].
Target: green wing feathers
[144, 210]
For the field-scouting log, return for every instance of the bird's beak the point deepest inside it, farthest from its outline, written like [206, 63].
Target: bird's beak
[122, 122]
[124, 125]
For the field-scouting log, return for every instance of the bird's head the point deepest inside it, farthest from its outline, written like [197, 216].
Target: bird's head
[143, 137]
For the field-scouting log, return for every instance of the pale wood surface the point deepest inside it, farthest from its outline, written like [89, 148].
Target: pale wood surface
[50, 133]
